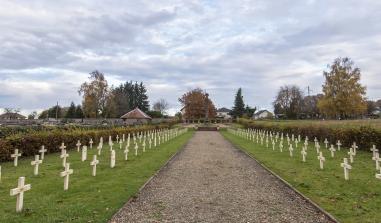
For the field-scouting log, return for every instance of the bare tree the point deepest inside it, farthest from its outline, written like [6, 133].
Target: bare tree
[161, 106]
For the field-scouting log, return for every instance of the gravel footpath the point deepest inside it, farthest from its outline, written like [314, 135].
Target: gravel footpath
[211, 181]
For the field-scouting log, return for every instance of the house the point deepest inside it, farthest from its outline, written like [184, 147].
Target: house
[224, 113]
[263, 114]
[136, 116]
[11, 116]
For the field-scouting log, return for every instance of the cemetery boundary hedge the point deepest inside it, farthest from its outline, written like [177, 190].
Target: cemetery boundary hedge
[30, 143]
[364, 136]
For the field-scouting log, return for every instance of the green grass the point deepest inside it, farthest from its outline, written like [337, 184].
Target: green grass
[374, 123]
[356, 200]
[89, 199]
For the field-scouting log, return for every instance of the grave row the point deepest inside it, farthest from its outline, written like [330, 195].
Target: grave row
[146, 140]
[280, 140]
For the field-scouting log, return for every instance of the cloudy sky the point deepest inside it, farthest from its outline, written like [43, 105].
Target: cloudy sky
[47, 48]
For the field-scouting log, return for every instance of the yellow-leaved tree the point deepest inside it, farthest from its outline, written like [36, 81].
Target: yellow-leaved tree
[344, 96]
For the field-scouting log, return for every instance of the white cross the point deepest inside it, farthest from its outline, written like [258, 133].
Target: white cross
[281, 146]
[378, 176]
[306, 144]
[315, 140]
[94, 163]
[304, 154]
[99, 150]
[351, 154]
[36, 162]
[84, 153]
[150, 143]
[91, 143]
[19, 192]
[0, 173]
[144, 145]
[63, 156]
[377, 159]
[78, 145]
[338, 144]
[333, 150]
[66, 173]
[374, 150]
[321, 159]
[290, 149]
[117, 138]
[126, 153]
[124, 137]
[355, 148]
[110, 143]
[326, 143]
[346, 167]
[15, 156]
[136, 149]
[317, 146]
[42, 151]
[154, 144]
[112, 163]
[120, 144]
[62, 147]
[273, 143]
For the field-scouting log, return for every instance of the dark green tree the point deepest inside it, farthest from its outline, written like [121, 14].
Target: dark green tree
[71, 111]
[239, 106]
[78, 112]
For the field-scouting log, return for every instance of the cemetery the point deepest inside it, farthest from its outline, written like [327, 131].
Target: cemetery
[345, 184]
[89, 185]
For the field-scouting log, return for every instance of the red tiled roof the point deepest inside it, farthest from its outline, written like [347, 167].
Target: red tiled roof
[136, 114]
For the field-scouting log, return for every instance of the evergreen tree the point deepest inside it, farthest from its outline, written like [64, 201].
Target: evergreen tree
[143, 103]
[78, 112]
[71, 111]
[239, 106]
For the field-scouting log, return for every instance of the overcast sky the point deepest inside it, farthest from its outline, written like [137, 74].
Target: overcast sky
[47, 48]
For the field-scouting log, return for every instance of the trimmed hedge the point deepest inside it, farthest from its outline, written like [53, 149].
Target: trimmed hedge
[364, 136]
[30, 143]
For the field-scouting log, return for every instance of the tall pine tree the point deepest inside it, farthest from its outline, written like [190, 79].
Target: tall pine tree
[239, 105]
[71, 111]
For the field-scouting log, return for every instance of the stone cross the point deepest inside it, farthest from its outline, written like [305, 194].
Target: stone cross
[42, 151]
[0, 173]
[78, 145]
[84, 153]
[19, 193]
[150, 142]
[306, 144]
[113, 158]
[355, 148]
[120, 144]
[136, 149]
[117, 138]
[36, 162]
[15, 156]
[315, 140]
[62, 147]
[326, 143]
[123, 137]
[378, 176]
[374, 150]
[317, 146]
[273, 143]
[281, 146]
[126, 153]
[66, 174]
[110, 143]
[377, 159]
[94, 163]
[321, 158]
[351, 154]
[338, 145]
[346, 167]
[304, 154]
[99, 150]
[144, 145]
[290, 149]
[91, 143]
[333, 150]
[63, 156]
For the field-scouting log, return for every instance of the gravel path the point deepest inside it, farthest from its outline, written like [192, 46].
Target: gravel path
[211, 181]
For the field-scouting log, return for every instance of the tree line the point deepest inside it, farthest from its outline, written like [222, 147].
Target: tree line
[342, 96]
[99, 100]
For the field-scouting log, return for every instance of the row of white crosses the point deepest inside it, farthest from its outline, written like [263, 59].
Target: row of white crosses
[163, 136]
[265, 136]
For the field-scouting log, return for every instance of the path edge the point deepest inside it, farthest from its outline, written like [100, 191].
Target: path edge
[165, 165]
[242, 150]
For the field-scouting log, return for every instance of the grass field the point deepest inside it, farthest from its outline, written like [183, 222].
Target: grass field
[89, 199]
[356, 200]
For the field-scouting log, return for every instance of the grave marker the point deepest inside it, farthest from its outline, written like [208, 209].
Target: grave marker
[326, 143]
[78, 145]
[66, 174]
[63, 156]
[377, 159]
[84, 153]
[15, 157]
[113, 158]
[333, 150]
[304, 154]
[19, 193]
[36, 162]
[321, 159]
[94, 163]
[346, 167]
[42, 151]
[338, 145]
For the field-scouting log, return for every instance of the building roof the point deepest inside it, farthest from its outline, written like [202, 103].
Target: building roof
[261, 111]
[136, 114]
[224, 110]
[11, 115]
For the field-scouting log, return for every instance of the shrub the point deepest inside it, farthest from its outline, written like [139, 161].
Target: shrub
[30, 143]
[364, 136]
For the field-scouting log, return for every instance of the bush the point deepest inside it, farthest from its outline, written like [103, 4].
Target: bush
[364, 136]
[30, 143]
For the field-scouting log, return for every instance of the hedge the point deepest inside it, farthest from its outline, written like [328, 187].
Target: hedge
[364, 136]
[30, 143]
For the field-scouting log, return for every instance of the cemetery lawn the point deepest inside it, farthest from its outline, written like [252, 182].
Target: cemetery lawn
[89, 199]
[355, 200]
